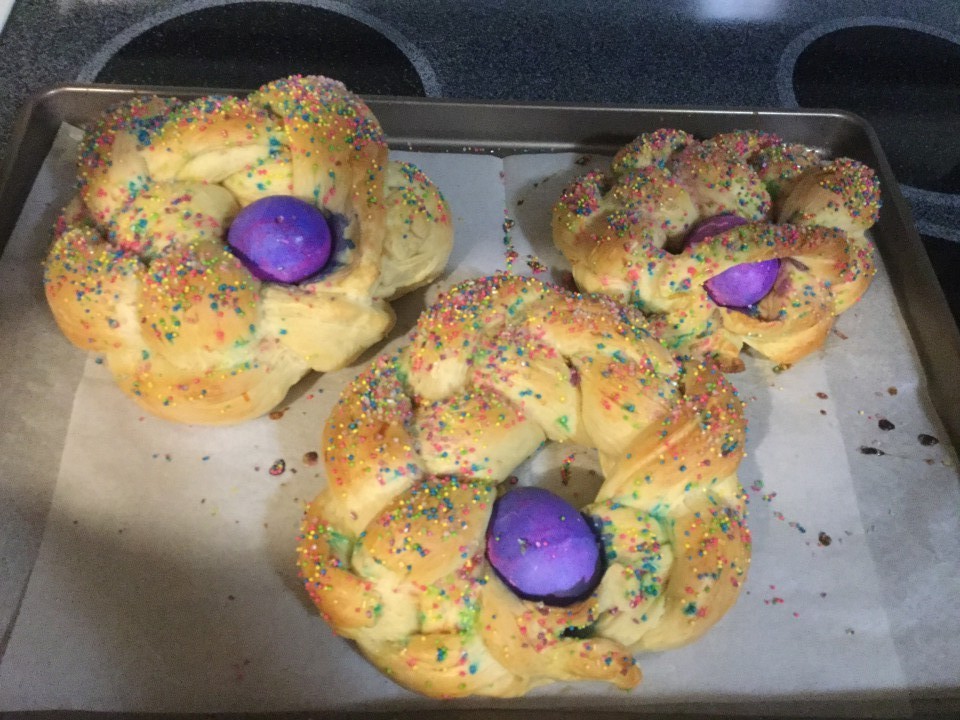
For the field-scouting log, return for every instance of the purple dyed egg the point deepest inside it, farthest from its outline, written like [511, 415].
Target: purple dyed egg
[281, 238]
[742, 285]
[714, 226]
[543, 548]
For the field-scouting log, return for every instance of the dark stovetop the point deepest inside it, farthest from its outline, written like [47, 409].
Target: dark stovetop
[898, 67]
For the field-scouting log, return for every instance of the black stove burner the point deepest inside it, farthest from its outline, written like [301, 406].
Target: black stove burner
[906, 83]
[248, 44]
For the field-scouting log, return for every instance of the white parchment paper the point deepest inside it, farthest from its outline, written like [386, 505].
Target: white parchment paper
[157, 572]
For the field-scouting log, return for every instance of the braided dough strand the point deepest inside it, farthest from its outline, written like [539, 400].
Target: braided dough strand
[418, 447]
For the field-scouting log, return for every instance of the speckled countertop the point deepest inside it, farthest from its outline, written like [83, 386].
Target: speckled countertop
[895, 63]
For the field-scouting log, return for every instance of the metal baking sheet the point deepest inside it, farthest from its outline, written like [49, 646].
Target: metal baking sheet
[509, 128]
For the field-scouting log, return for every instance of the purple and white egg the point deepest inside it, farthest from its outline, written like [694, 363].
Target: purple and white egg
[543, 548]
[281, 239]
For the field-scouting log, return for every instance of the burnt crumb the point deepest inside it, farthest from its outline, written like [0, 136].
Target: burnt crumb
[231, 597]
[277, 414]
[840, 335]
[311, 458]
[823, 412]
[871, 450]
[892, 390]
[822, 395]
[519, 202]
[927, 440]
[824, 539]
[823, 594]
[849, 631]
[885, 424]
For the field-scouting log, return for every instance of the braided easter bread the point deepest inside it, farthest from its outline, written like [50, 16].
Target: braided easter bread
[198, 331]
[673, 213]
[416, 452]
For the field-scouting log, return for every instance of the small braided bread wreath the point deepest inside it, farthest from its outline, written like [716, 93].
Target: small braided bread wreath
[396, 550]
[206, 319]
[737, 240]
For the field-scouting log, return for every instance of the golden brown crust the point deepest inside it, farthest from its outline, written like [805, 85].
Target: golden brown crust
[530, 641]
[450, 442]
[139, 269]
[445, 666]
[368, 448]
[623, 232]
[842, 194]
[89, 284]
[417, 445]
[345, 600]
[421, 533]
[720, 182]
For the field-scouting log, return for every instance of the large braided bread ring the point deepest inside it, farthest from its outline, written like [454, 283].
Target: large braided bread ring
[139, 270]
[623, 233]
[392, 551]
